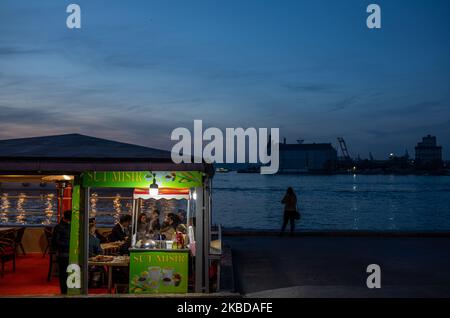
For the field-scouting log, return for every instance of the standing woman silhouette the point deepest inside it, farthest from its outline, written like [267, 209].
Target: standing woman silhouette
[290, 210]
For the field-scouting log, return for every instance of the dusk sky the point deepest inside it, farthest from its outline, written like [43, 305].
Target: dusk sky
[138, 69]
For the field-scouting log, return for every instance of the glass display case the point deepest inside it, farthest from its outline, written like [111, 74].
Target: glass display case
[164, 221]
[162, 241]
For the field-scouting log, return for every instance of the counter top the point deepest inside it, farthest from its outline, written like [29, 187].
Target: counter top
[136, 249]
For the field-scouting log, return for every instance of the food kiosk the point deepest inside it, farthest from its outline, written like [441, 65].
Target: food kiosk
[171, 257]
[81, 164]
[160, 255]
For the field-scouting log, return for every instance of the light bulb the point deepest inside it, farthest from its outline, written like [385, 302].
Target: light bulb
[154, 187]
[154, 192]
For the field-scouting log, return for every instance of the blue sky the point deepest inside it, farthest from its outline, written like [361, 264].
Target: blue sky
[138, 69]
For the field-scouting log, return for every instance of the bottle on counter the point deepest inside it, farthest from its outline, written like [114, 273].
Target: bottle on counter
[179, 240]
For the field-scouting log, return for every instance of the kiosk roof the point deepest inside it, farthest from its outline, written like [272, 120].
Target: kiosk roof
[78, 153]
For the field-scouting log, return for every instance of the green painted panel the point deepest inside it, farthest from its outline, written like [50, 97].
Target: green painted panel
[159, 272]
[142, 179]
[74, 247]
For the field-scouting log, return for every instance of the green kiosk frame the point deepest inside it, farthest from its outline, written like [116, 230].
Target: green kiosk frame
[149, 268]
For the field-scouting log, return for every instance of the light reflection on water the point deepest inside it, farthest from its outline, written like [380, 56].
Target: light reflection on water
[108, 204]
[30, 206]
[49, 208]
[340, 202]
[20, 208]
[93, 204]
[5, 206]
[402, 203]
[117, 204]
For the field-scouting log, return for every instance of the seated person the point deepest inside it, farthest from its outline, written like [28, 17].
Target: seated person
[95, 272]
[119, 231]
[125, 247]
[94, 243]
[99, 235]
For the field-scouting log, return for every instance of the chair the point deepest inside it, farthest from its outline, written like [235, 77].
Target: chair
[120, 288]
[97, 276]
[9, 234]
[48, 232]
[7, 253]
[52, 259]
[18, 239]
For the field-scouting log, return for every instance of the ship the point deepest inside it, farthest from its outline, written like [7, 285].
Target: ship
[222, 170]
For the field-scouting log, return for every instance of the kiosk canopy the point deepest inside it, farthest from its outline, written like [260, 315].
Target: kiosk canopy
[142, 179]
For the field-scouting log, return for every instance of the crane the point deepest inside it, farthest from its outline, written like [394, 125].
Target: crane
[344, 149]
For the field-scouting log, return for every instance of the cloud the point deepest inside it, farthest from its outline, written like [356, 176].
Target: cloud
[309, 87]
[419, 129]
[425, 107]
[145, 130]
[130, 61]
[420, 107]
[343, 104]
[6, 51]
[27, 116]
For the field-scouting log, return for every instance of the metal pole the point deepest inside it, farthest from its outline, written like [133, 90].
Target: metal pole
[136, 204]
[207, 234]
[199, 239]
[85, 195]
[60, 208]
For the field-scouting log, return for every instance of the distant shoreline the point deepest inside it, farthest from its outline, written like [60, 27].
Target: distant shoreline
[310, 233]
[363, 173]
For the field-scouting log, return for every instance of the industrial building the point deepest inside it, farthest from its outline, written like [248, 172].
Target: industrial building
[307, 158]
[428, 154]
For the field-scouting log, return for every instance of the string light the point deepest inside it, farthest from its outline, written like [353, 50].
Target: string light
[4, 208]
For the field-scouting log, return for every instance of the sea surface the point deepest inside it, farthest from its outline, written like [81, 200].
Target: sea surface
[252, 201]
[336, 202]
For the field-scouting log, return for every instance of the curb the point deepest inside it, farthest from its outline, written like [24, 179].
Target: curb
[269, 233]
[227, 279]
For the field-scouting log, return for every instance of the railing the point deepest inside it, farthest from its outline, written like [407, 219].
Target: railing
[215, 254]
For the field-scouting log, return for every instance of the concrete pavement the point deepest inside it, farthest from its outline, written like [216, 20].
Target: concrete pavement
[315, 266]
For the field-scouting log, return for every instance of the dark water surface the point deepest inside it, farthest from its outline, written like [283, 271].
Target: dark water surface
[339, 202]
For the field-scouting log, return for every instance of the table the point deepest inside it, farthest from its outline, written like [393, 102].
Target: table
[118, 261]
[111, 248]
[8, 231]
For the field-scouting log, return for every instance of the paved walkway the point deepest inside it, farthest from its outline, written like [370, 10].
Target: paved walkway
[336, 266]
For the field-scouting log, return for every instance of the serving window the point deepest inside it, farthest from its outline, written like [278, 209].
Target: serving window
[163, 221]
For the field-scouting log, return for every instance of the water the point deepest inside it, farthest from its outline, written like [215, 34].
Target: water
[339, 202]
[342, 202]
[34, 206]
[28, 206]
[106, 205]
